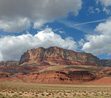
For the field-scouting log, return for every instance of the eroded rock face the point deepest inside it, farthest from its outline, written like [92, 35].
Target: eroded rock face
[55, 77]
[82, 76]
[44, 74]
[56, 55]
[4, 75]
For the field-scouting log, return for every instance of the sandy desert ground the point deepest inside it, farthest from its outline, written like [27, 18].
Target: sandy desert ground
[31, 90]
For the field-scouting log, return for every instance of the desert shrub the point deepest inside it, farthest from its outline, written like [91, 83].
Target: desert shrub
[16, 96]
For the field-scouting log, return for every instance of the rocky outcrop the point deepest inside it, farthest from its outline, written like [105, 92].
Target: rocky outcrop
[62, 77]
[82, 76]
[105, 62]
[60, 56]
[54, 75]
[4, 74]
[57, 77]
[9, 63]
[49, 77]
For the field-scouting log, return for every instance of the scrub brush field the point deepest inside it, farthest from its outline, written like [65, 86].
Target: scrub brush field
[31, 90]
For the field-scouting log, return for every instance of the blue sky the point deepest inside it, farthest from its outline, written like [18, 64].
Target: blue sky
[79, 25]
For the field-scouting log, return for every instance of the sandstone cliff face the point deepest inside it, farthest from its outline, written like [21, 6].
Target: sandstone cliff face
[56, 55]
[63, 76]
[49, 77]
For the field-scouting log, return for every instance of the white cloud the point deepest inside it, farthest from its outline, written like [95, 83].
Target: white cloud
[99, 43]
[106, 4]
[84, 27]
[106, 10]
[97, 9]
[39, 24]
[62, 32]
[12, 47]
[91, 9]
[104, 28]
[39, 12]
[81, 42]
[15, 25]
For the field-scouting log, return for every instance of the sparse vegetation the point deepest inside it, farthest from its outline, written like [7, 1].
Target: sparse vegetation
[30, 90]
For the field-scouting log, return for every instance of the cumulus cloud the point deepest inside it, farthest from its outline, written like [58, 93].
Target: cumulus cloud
[91, 9]
[81, 42]
[12, 47]
[15, 25]
[99, 43]
[106, 10]
[97, 9]
[106, 4]
[16, 12]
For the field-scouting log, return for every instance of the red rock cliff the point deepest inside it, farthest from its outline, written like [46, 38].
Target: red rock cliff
[56, 55]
